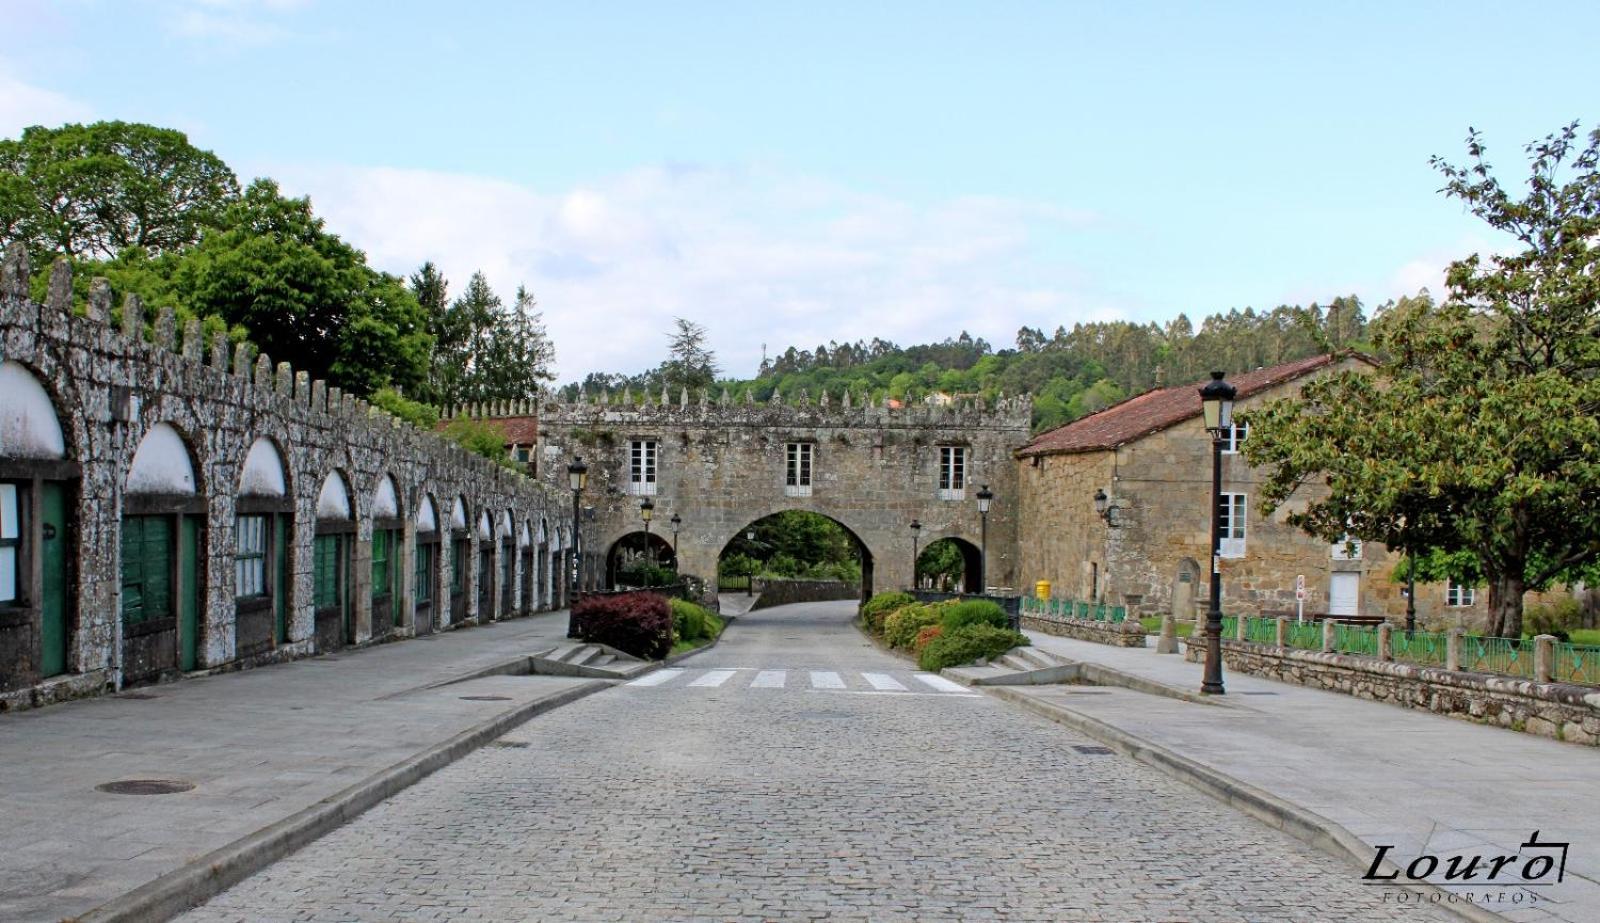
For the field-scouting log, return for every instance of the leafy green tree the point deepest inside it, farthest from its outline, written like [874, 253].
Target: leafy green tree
[94, 190]
[1484, 433]
[942, 564]
[691, 363]
[517, 357]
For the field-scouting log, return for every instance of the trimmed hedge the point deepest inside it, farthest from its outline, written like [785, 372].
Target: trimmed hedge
[902, 626]
[925, 637]
[879, 607]
[634, 623]
[692, 623]
[964, 645]
[974, 612]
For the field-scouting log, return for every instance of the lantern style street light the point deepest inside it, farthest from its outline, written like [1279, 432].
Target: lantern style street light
[985, 497]
[750, 578]
[647, 510]
[677, 523]
[1216, 404]
[577, 479]
[916, 534]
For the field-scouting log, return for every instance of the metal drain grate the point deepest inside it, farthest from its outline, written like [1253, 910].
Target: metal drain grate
[485, 698]
[510, 744]
[145, 787]
[1092, 750]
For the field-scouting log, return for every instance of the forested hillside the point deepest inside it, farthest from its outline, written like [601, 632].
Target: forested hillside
[1069, 373]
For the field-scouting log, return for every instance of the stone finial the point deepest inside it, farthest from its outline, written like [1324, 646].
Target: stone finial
[99, 301]
[284, 383]
[59, 296]
[583, 396]
[824, 400]
[664, 398]
[241, 360]
[14, 271]
[845, 403]
[347, 404]
[219, 350]
[133, 317]
[302, 388]
[166, 328]
[683, 397]
[749, 396]
[335, 399]
[627, 396]
[319, 395]
[805, 398]
[192, 346]
[605, 396]
[777, 398]
[263, 372]
[705, 397]
[725, 399]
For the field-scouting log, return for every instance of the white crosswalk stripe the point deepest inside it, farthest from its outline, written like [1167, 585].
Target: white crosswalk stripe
[714, 678]
[826, 679]
[769, 679]
[658, 677]
[939, 683]
[883, 682]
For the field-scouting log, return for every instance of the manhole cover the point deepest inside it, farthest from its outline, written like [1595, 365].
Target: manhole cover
[141, 696]
[510, 744]
[1258, 693]
[1092, 750]
[145, 787]
[486, 698]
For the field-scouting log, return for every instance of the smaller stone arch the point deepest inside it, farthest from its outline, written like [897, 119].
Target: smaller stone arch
[263, 474]
[163, 569]
[332, 555]
[262, 525]
[460, 559]
[425, 585]
[162, 465]
[29, 425]
[333, 499]
[485, 567]
[388, 530]
[934, 565]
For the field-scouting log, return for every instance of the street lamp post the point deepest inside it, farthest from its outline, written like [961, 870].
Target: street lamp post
[577, 479]
[647, 509]
[1216, 402]
[916, 534]
[677, 523]
[985, 497]
[750, 578]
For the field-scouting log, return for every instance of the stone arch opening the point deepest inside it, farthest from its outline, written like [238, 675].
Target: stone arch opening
[949, 565]
[460, 559]
[263, 522]
[797, 545]
[425, 583]
[485, 575]
[331, 551]
[38, 534]
[163, 525]
[630, 560]
[388, 529]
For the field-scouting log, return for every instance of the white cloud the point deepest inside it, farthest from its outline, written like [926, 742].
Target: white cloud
[22, 105]
[237, 22]
[756, 255]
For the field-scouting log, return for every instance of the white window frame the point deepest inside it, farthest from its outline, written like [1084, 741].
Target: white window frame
[13, 498]
[1235, 513]
[952, 472]
[1459, 596]
[1337, 550]
[250, 555]
[644, 457]
[1237, 434]
[800, 468]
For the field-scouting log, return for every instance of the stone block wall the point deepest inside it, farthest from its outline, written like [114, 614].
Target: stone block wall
[111, 385]
[783, 592]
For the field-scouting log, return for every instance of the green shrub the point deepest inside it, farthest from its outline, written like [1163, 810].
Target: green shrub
[1558, 619]
[974, 612]
[693, 623]
[878, 608]
[964, 645]
[418, 414]
[925, 637]
[901, 627]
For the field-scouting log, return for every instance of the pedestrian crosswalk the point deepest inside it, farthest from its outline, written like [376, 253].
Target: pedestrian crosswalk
[759, 678]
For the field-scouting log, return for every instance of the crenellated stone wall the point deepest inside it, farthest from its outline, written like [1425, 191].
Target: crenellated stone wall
[110, 385]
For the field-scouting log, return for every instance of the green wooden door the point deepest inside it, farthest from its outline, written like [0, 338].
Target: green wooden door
[189, 592]
[146, 569]
[280, 579]
[53, 560]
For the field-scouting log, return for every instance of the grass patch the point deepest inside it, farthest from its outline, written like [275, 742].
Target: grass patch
[1152, 626]
[1585, 636]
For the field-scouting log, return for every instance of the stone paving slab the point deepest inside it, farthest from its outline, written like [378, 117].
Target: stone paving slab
[258, 745]
[1388, 775]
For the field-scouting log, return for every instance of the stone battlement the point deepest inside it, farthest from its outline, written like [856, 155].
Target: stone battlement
[848, 410]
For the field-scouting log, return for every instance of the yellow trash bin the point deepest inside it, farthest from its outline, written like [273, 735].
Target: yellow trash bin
[1041, 589]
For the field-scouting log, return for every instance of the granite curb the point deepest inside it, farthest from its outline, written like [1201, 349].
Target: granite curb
[1300, 823]
[209, 875]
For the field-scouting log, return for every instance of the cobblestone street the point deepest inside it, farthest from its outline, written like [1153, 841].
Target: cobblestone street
[797, 786]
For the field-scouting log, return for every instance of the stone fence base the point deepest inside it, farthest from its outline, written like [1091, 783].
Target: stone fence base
[1559, 710]
[783, 592]
[1127, 633]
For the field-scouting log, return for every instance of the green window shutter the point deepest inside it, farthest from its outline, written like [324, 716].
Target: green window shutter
[380, 562]
[326, 571]
[146, 568]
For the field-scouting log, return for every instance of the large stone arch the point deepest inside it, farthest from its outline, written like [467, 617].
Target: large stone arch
[162, 558]
[263, 538]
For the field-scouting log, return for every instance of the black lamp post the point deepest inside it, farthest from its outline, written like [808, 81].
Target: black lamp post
[750, 578]
[677, 523]
[647, 510]
[577, 479]
[985, 497]
[916, 534]
[1216, 402]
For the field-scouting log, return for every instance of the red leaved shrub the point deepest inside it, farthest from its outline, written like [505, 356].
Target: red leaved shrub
[926, 636]
[635, 623]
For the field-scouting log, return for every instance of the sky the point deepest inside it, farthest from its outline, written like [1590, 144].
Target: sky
[799, 173]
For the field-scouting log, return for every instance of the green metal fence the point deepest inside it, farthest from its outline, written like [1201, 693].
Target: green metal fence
[1304, 635]
[1261, 631]
[1423, 647]
[1354, 639]
[1059, 609]
[1496, 655]
[1576, 663]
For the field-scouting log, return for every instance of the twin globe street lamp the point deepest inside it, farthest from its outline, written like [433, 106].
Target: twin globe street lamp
[1216, 404]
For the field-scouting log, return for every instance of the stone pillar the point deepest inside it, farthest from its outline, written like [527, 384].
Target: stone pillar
[1283, 632]
[1327, 635]
[1168, 642]
[1241, 628]
[1452, 648]
[1385, 641]
[1544, 658]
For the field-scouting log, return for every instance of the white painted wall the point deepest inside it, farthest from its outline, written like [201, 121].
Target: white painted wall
[334, 500]
[485, 531]
[161, 464]
[458, 515]
[263, 471]
[28, 424]
[385, 504]
[427, 518]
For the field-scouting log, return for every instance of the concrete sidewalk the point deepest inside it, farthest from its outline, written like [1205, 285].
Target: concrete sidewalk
[261, 747]
[1389, 776]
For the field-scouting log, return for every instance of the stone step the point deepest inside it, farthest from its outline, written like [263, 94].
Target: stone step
[1038, 658]
[1014, 663]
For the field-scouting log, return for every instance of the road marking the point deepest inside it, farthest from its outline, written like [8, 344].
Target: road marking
[769, 679]
[883, 682]
[939, 683]
[658, 677]
[714, 678]
[826, 679]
